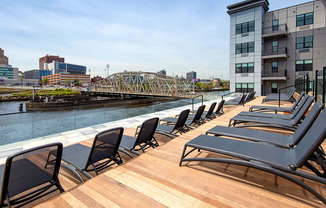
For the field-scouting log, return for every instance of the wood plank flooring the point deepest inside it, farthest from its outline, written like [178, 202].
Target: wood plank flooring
[155, 179]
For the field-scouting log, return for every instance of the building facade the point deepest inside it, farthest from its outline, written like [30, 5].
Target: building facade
[66, 79]
[162, 72]
[191, 75]
[65, 68]
[270, 50]
[3, 58]
[36, 74]
[49, 59]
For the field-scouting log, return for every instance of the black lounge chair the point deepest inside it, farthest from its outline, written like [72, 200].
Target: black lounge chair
[273, 122]
[280, 116]
[179, 127]
[145, 138]
[236, 101]
[25, 176]
[219, 110]
[283, 97]
[103, 151]
[208, 114]
[275, 108]
[195, 120]
[268, 137]
[250, 97]
[278, 161]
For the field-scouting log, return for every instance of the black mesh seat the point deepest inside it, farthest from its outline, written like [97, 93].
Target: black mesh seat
[281, 116]
[145, 138]
[283, 97]
[178, 127]
[207, 114]
[190, 122]
[275, 108]
[236, 101]
[102, 154]
[274, 122]
[269, 137]
[279, 161]
[26, 175]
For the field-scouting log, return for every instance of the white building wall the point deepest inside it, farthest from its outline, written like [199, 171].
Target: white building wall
[256, 14]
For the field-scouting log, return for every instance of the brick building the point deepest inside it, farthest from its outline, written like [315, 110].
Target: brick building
[63, 79]
[3, 58]
[49, 59]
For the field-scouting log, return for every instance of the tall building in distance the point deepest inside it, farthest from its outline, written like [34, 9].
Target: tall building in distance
[269, 50]
[65, 68]
[162, 72]
[3, 58]
[49, 59]
[191, 75]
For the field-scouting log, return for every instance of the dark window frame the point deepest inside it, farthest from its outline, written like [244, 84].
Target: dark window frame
[305, 42]
[275, 26]
[245, 87]
[244, 68]
[245, 27]
[274, 68]
[304, 65]
[244, 47]
[305, 19]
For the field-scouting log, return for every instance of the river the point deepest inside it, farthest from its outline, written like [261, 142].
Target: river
[28, 125]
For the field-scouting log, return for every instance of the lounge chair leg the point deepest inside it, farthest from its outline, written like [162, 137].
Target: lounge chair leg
[73, 170]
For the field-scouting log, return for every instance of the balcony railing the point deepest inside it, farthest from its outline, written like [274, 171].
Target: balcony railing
[275, 52]
[276, 30]
[279, 73]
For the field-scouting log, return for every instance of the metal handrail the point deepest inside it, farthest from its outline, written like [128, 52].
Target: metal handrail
[193, 100]
[307, 88]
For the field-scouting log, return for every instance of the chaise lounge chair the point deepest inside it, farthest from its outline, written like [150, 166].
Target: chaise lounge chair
[179, 127]
[236, 101]
[25, 176]
[208, 114]
[268, 137]
[283, 97]
[103, 151]
[280, 116]
[275, 108]
[273, 122]
[195, 120]
[278, 161]
[145, 138]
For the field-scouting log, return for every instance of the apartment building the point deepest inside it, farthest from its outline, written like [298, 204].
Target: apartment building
[269, 50]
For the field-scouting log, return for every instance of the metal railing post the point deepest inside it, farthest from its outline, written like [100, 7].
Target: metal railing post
[315, 85]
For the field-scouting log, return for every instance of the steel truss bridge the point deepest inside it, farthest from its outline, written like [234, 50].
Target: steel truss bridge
[144, 83]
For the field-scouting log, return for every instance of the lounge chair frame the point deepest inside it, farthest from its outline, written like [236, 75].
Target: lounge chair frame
[28, 197]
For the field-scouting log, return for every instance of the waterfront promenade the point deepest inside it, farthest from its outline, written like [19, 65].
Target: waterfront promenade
[155, 179]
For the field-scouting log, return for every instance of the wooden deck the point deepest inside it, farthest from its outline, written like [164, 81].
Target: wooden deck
[155, 179]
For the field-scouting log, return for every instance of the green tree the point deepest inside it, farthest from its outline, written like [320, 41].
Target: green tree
[76, 82]
[45, 81]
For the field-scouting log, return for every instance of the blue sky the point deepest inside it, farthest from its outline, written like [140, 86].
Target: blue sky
[140, 35]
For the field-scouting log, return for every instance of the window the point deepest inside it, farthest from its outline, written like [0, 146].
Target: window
[303, 65]
[304, 42]
[275, 46]
[305, 19]
[244, 87]
[274, 66]
[274, 87]
[275, 25]
[244, 47]
[245, 27]
[244, 68]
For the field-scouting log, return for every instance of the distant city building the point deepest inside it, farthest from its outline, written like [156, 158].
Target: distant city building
[36, 74]
[62, 79]
[65, 68]
[162, 72]
[191, 75]
[49, 59]
[3, 58]
[8, 72]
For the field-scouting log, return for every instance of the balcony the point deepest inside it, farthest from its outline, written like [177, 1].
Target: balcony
[274, 53]
[280, 75]
[275, 31]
